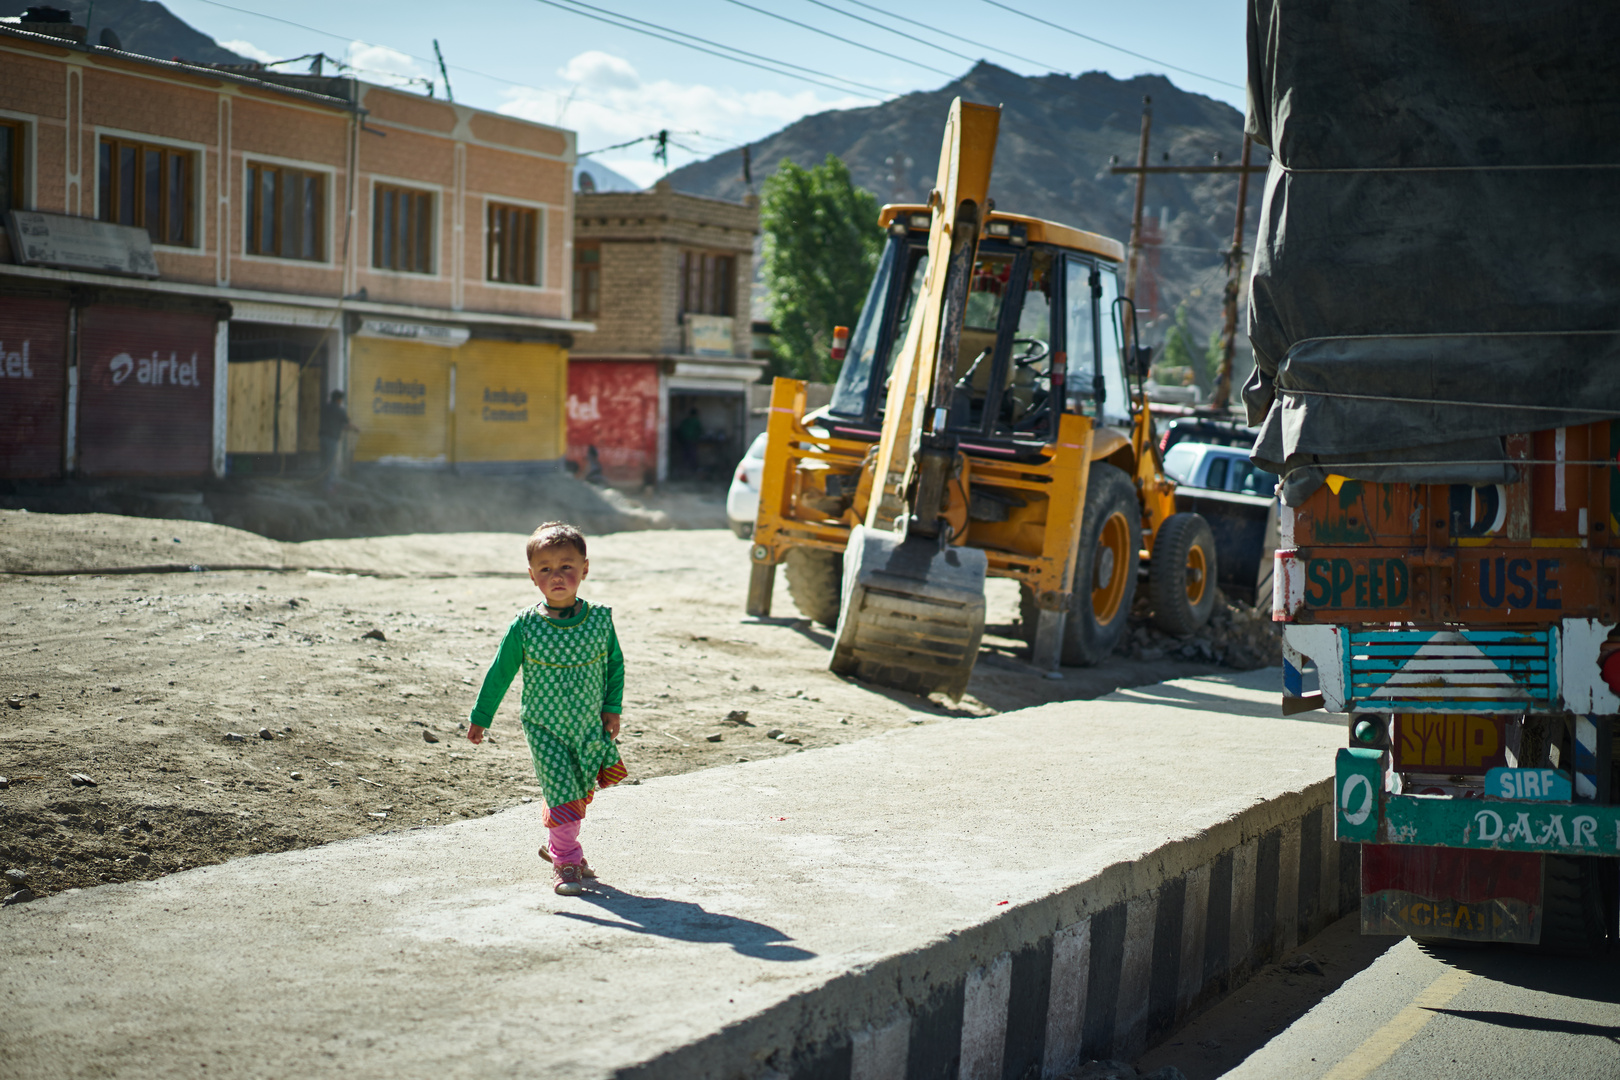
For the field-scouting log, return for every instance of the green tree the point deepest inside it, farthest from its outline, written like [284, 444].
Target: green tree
[1179, 345]
[1177, 350]
[821, 248]
[1214, 354]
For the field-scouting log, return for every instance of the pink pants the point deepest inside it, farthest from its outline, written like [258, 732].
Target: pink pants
[564, 843]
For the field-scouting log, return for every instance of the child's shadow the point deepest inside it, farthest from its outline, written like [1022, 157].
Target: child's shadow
[684, 921]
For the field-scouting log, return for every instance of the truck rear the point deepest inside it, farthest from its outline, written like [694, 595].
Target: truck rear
[1435, 312]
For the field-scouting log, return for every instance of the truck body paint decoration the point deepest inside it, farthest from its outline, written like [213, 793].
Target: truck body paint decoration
[1543, 785]
[1442, 892]
[1364, 813]
[1452, 671]
[1456, 744]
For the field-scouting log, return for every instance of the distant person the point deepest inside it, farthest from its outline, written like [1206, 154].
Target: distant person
[334, 425]
[687, 436]
[593, 466]
[573, 693]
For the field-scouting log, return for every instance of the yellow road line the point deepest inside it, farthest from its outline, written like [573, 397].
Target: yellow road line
[1381, 1045]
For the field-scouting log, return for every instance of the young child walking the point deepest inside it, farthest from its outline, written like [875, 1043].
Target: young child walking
[573, 693]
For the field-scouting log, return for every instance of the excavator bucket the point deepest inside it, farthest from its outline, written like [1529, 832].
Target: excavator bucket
[913, 612]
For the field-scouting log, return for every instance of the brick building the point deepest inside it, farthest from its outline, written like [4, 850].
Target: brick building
[195, 257]
[665, 277]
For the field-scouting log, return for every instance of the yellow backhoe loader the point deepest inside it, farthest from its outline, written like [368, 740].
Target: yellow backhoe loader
[983, 424]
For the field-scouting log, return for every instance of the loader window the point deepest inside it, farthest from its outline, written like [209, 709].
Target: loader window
[884, 320]
[1087, 327]
[988, 291]
[1026, 388]
[849, 395]
[1080, 334]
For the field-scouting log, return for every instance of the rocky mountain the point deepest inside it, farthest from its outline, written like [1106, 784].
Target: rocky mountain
[1057, 136]
[142, 26]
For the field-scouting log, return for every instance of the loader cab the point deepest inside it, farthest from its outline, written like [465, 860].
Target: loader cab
[1039, 329]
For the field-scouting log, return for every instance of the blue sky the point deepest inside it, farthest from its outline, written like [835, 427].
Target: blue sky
[556, 63]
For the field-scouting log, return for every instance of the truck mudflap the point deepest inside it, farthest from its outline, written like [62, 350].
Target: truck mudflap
[1365, 813]
[1445, 893]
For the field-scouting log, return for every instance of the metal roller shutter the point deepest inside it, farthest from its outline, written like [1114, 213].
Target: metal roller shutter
[33, 386]
[510, 401]
[613, 406]
[146, 392]
[399, 399]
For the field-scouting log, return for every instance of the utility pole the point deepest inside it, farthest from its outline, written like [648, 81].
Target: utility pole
[1234, 280]
[1136, 211]
[443, 74]
[1234, 257]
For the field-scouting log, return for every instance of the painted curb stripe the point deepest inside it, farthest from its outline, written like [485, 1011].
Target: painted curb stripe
[1104, 985]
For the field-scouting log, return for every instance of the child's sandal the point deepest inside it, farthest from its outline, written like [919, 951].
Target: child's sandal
[584, 866]
[567, 879]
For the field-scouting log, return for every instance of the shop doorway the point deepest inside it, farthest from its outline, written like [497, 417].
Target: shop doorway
[706, 430]
[277, 386]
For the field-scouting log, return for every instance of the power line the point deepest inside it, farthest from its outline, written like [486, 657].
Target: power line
[931, 29]
[835, 37]
[892, 30]
[1110, 45]
[350, 38]
[763, 63]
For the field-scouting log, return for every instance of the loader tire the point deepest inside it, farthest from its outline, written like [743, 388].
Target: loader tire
[1181, 579]
[1105, 576]
[1573, 915]
[815, 581]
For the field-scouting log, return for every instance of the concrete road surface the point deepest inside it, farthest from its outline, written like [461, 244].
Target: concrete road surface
[442, 952]
[1471, 1014]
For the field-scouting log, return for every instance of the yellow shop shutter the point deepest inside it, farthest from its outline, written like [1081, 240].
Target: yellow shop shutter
[399, 398]
[511, 401]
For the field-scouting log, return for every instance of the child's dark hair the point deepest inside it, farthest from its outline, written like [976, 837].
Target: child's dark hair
[555, 534]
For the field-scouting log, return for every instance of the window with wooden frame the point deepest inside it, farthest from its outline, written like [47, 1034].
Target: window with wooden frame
[13, 148]
[150, 187]
[513, 254]
[402, 230]
[285, 211]
[708, 283]
[587, 281]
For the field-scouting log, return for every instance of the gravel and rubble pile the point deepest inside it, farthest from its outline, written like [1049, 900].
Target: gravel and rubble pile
[1236, 636]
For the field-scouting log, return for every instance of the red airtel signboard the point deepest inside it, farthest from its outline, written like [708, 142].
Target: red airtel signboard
[613, 406]
[33, 386]
[146, 392]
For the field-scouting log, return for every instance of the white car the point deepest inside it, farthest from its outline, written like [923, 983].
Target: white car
[742, 501]
[1221, 468]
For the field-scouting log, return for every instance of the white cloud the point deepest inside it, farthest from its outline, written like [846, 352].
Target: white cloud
[599, 70]
[250, 50]
[384, 66]
[608, 103]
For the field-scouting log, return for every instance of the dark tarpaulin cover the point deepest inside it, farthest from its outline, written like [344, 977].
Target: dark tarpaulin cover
[1431, 265]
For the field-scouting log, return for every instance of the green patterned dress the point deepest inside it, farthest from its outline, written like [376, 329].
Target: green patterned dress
[573, 672]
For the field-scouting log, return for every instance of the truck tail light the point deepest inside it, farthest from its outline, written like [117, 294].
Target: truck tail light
[840, 343]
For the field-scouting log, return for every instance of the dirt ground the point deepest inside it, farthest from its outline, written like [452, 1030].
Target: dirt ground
[219, 713]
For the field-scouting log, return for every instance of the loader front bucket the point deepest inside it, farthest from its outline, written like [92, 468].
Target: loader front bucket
[912, 614]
